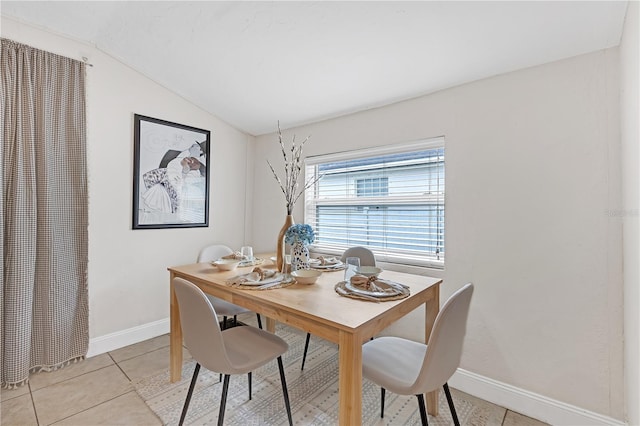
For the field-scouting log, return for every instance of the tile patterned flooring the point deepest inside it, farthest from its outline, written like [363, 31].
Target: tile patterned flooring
[98, 391]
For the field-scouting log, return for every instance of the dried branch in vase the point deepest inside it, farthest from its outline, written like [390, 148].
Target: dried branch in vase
[292, 167]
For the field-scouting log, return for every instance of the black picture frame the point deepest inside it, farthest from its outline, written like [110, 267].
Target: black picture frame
[170, 174]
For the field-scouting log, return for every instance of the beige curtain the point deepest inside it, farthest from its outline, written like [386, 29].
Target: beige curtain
[44, 212]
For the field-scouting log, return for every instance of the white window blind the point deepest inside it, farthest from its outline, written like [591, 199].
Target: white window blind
[389, 199]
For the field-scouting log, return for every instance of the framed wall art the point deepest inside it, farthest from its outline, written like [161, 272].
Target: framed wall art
[170, 174]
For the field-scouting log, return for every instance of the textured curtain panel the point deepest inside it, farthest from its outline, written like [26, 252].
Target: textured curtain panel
[44, 212]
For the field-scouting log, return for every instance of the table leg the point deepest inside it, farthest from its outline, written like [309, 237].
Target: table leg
[350, 379]
[175, 337]
[271, 325]
[432, 307]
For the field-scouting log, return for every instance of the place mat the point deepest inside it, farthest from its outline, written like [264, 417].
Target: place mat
[236, 255]
[326, 260]
[261, 280]
[372, 289]
[325, 263]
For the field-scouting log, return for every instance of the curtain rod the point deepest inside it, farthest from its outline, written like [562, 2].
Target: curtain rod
[84, 58]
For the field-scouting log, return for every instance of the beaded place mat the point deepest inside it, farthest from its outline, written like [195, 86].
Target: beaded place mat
[253, 281]
[372, 289]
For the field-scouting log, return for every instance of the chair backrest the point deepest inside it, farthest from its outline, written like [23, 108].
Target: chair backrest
[213, 252]
[366, 256]
[444, 349]
[200, 327]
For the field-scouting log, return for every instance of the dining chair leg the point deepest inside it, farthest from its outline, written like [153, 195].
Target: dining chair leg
[306, 347]
[456, 422]
[189, 393]
[224, 327]
[423, 410]
[223, 399]
[285, 393]
[382, 392]
[249, 385]
[259, 322]
[224, 323]
[235, 320]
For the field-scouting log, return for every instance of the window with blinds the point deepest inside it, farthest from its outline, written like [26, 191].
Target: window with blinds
[389, 199]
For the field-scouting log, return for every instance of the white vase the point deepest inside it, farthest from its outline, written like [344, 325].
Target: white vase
[299, 256]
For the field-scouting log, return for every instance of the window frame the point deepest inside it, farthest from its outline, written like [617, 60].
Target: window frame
[311, 164]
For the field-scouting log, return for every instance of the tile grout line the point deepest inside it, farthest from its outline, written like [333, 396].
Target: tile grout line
[33, 403]
[504, 417]
[75, 377]
[91, 408]
[67, 379]
[120, 368]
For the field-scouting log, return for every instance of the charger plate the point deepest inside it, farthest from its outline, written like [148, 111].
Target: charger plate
[255, 262]
[315, 264]
[245, 281]
[395, 291]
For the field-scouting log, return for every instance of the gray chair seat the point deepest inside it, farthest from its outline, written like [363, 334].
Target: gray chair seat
[249, 348]
[394, 361]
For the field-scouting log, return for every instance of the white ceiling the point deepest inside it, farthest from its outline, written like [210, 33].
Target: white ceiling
[254, 63]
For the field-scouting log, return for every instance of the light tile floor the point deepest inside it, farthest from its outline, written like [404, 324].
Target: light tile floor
[98, 391]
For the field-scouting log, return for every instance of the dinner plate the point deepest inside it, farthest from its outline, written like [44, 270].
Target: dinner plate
[254, 262]
[381, 294]
[318, 260]
[317, 265]
[276, 278]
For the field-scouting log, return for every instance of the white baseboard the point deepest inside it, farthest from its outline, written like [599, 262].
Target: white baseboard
[120, 339]
[528, 403]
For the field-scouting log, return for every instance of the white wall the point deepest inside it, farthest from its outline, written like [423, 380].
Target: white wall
[540, 247]
[630, 93]
[532, 167]
[128, 278]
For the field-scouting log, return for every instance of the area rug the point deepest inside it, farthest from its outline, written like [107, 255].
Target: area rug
[313, 394]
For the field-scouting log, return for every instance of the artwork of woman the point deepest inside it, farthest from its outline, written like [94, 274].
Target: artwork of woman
[179, 173]
[171, 176]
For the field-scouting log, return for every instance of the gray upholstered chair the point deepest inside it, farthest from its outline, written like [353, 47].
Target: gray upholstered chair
[366, 256]
[366, 259]
[236, 350]
[222, 307]
[406, 367]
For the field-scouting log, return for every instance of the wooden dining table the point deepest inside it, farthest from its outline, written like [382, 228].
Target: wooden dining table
[317, 309]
